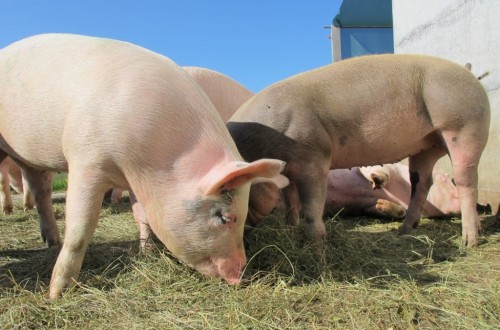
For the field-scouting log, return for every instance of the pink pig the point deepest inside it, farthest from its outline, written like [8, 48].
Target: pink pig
[384, 191]
[370, 110]
[116, 115]
[11, 176]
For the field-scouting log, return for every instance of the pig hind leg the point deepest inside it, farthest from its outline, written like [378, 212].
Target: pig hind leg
[420, 167]
[465, 150]
[40, 183]
[86, 189]
[311, 183]
[29, 202]
[141, 221]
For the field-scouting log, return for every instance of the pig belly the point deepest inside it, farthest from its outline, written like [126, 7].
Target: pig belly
[42, 154]
[379, 150]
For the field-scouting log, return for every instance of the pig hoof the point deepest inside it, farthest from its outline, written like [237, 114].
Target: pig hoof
[378, 181]
[470, 239]
[317, 229]
[293, 220]
[146, 246]
[469, 244]
[52, 242]
[8, 210]
[404, 230]
[390, 210]
[28, 207]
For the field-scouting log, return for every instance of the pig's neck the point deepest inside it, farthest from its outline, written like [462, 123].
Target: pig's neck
[162, 206]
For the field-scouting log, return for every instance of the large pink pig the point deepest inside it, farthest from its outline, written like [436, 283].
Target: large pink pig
[370, 110]
[116, 115]
[11, 176]
[384, 191]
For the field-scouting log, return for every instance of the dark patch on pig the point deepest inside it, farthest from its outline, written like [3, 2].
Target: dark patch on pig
[255, 141]
[454, 139]
[216, 208]
[227, 196]
[343, 140]
[414, 179]
[423, 112]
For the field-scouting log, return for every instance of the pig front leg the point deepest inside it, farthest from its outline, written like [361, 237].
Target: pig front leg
[420, 167]
[83, 203]
[40, 183]
[5, 196]
[141, 221]
[311, 180]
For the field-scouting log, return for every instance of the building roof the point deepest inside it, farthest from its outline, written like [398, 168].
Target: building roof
[364, 13]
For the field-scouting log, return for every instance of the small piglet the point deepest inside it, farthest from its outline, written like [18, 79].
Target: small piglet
[370, 110]
[116, 115]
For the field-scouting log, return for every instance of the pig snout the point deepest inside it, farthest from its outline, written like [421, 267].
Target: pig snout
[229, 267]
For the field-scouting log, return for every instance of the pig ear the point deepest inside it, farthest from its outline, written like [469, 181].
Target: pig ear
[231, 175]
[279, 181]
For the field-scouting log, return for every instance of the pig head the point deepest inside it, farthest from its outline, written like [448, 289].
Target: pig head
[113, 114]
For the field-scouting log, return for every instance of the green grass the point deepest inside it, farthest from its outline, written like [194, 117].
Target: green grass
[60, 182]
[364, 276]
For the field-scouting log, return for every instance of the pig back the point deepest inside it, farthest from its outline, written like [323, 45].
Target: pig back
[64, 95]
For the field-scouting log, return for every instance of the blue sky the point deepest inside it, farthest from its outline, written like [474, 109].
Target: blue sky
[255, 42]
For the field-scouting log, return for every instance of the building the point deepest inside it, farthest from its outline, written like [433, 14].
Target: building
[463, 31]
[362, 27]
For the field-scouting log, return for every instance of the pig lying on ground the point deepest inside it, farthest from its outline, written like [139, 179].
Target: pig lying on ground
[10, 176]
[376, 191]
[366, 111]
[116, 115]
[384, 191]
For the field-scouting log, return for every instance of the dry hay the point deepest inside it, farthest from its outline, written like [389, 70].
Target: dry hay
[365, 276]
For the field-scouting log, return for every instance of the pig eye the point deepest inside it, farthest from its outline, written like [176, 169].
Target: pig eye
[220, 218]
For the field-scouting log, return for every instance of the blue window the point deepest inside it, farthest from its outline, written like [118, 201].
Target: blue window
[363, 41]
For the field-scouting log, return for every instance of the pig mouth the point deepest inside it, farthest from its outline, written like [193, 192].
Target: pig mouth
[229, 270]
